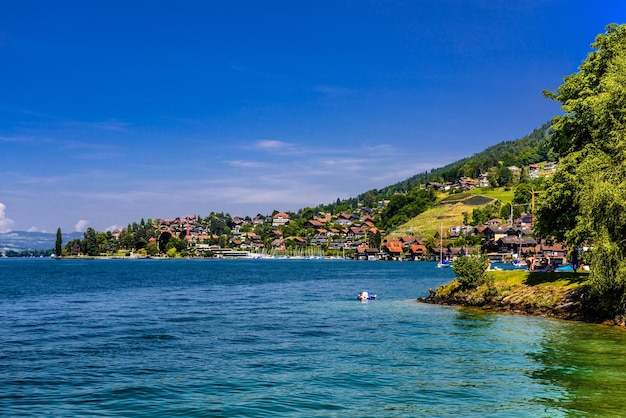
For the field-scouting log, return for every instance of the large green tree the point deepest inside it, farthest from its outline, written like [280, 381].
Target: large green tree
[90, 242]
[58, 246]
[586, 199]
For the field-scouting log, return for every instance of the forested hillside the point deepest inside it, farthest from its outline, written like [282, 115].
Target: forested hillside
[533, 148]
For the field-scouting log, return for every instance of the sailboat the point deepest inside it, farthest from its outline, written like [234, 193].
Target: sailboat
[519, 262]
[442, 263]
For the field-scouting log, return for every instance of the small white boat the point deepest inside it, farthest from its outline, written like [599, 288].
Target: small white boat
[443, 264]
[364, 296]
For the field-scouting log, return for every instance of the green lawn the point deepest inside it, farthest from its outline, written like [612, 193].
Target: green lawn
[498, 194]
[449, 211]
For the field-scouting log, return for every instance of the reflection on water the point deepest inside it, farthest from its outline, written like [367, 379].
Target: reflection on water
[589, 362]
[581, 367]
[474, 318]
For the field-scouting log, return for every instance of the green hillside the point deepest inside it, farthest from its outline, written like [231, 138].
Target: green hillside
[449, 211]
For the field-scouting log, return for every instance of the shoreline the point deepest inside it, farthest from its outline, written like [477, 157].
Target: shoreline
[552, 297]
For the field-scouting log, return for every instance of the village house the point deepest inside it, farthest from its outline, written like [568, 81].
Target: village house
[417, 251]
[483, 181]
[393, 247]
[556, 251]
[467, 183]
[513, 244]
[549, 167]
[280, 219]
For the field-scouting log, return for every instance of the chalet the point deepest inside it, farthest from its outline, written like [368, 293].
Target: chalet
[393, 247]
[526, 221]
[344, 219]
[454, 252]
[556, 251]
[514, 169]
[356, 232]
[410, 240]
[467, 183]
[369, 224]
[322, 232]
[313, 223]
[278, 244]
[513, 244]
[439, 186]
[299, 241]
[365, 253]
[417, 251]
[374, 230]
[494, 233]
[280, 219]
[494, 222]
[479, 230]
[482, 180]
[549, 167]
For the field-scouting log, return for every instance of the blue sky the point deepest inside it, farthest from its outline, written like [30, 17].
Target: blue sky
[112, 111]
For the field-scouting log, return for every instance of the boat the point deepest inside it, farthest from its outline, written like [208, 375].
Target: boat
[519, 263]
[363, 296]
[442, 263]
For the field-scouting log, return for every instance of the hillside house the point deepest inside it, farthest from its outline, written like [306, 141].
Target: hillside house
[280, 219]
[417, 251]
[513, 244]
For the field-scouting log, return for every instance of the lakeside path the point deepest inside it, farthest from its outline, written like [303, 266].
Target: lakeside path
[562, 295]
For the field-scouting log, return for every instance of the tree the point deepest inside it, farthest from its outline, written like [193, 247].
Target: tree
[370, 200]
[152, 248]
[58, 247]
[584, 200]
[73, 247]
[470, 270]
[90, 242]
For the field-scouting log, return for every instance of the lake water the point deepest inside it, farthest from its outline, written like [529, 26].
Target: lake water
[284, 338]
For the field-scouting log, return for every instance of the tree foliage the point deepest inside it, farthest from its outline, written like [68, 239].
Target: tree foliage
[584, 200]
[404, 206]
[58, 246]
[90, 242]
[470, 270]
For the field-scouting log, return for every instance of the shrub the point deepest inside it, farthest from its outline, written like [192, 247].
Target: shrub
[471, 270]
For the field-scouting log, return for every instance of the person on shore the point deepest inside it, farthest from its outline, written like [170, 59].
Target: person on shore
[574, 262]
[530, 263]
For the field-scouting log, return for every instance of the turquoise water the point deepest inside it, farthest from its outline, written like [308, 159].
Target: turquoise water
[284, 338]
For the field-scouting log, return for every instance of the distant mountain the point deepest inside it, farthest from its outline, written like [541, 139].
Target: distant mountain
[22, 240]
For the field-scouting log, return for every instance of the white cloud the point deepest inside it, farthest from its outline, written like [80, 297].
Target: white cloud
[5, 223]
[246, 164]
[279, 147]
[81, 225]
[112, 228]
[33, 229]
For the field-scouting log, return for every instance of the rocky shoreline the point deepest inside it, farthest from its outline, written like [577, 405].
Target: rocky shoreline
[578, 304]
